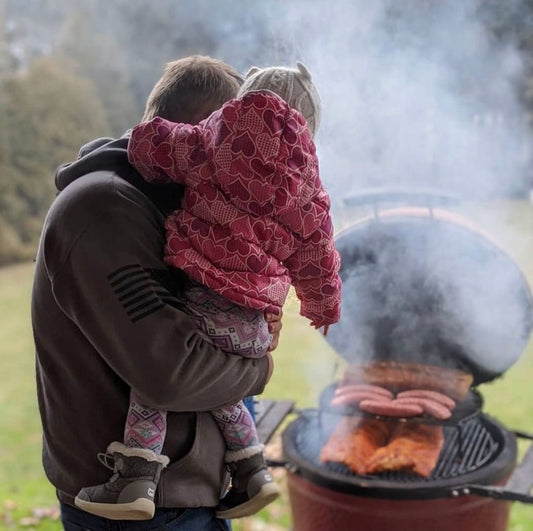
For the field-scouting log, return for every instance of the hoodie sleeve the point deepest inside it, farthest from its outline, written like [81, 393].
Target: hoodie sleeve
[163, 151]
[104, 259]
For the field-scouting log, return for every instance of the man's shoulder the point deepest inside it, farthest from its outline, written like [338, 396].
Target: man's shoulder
[99, 211]
[100, 195]
[97, 187]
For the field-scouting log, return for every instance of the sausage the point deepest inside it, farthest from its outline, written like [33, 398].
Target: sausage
[431, 407]
[391, 409]
[353, 398]
[432, 395]
[363, 387]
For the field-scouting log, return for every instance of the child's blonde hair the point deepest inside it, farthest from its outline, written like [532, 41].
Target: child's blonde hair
[294, 85]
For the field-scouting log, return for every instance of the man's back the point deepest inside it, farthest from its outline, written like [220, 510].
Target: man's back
[105, 320]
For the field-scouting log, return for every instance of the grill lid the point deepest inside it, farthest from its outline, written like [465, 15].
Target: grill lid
[426, 286]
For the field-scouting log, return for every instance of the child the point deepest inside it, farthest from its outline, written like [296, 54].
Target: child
[254, 221]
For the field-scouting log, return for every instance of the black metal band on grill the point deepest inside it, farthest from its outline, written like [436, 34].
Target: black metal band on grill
[477, 450]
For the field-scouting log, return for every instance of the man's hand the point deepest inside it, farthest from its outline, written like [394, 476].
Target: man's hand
[274, 327]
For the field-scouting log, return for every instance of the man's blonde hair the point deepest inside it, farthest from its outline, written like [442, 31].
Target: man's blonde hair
[191, 88]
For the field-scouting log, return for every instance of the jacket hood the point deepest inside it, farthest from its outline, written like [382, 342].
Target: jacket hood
[109, 154]
[102, 154]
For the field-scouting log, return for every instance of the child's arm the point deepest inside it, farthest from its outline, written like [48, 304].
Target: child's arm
[161, 150]
[314, 272]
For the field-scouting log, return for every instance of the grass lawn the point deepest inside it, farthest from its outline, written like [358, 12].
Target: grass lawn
[304, 365]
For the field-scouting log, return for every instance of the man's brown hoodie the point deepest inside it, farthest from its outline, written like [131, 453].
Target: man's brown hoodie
[106, 319]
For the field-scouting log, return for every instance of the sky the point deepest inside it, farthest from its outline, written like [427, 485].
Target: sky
[419, 97]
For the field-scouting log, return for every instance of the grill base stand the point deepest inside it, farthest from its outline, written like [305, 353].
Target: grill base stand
[315, 508]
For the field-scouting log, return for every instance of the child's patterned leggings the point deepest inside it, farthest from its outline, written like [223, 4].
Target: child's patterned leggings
[234, 329]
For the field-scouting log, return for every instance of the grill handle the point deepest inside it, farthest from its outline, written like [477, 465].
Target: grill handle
[429, 197]
[519, 486]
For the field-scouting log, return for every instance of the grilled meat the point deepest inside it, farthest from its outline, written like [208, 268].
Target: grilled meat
[400, 376]
[354, 442]
[412, 447]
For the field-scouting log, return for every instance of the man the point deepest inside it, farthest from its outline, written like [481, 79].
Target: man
[106, 320]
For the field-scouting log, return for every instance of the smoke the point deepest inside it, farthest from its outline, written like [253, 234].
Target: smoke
[430, 291]
[419, 94]
[415, 94]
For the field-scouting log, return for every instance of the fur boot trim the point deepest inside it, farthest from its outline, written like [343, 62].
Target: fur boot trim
[144, 453]
[238, 455]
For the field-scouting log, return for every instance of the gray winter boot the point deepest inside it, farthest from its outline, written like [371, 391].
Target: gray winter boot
[129, 492]
[252, 488]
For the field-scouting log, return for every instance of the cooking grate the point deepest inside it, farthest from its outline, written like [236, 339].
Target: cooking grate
[468, 446]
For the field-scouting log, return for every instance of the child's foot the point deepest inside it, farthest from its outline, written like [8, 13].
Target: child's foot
[129, 492]
[252, 488]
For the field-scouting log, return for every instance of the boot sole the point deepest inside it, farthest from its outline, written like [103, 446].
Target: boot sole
[140, 509]
[266, 495]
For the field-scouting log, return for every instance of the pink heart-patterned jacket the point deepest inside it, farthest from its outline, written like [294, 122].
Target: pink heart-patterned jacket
[255, 217]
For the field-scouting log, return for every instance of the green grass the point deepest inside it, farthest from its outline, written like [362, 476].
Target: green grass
[22, 483]
[304, 365]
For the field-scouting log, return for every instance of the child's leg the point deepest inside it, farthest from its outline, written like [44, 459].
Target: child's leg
[252, 486]
[241, 331]
[145, 427]
[239, 431]
[231, 327]
[244, 332]
[129, 492]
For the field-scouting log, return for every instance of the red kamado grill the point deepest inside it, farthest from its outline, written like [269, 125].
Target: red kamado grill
[421, 285]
